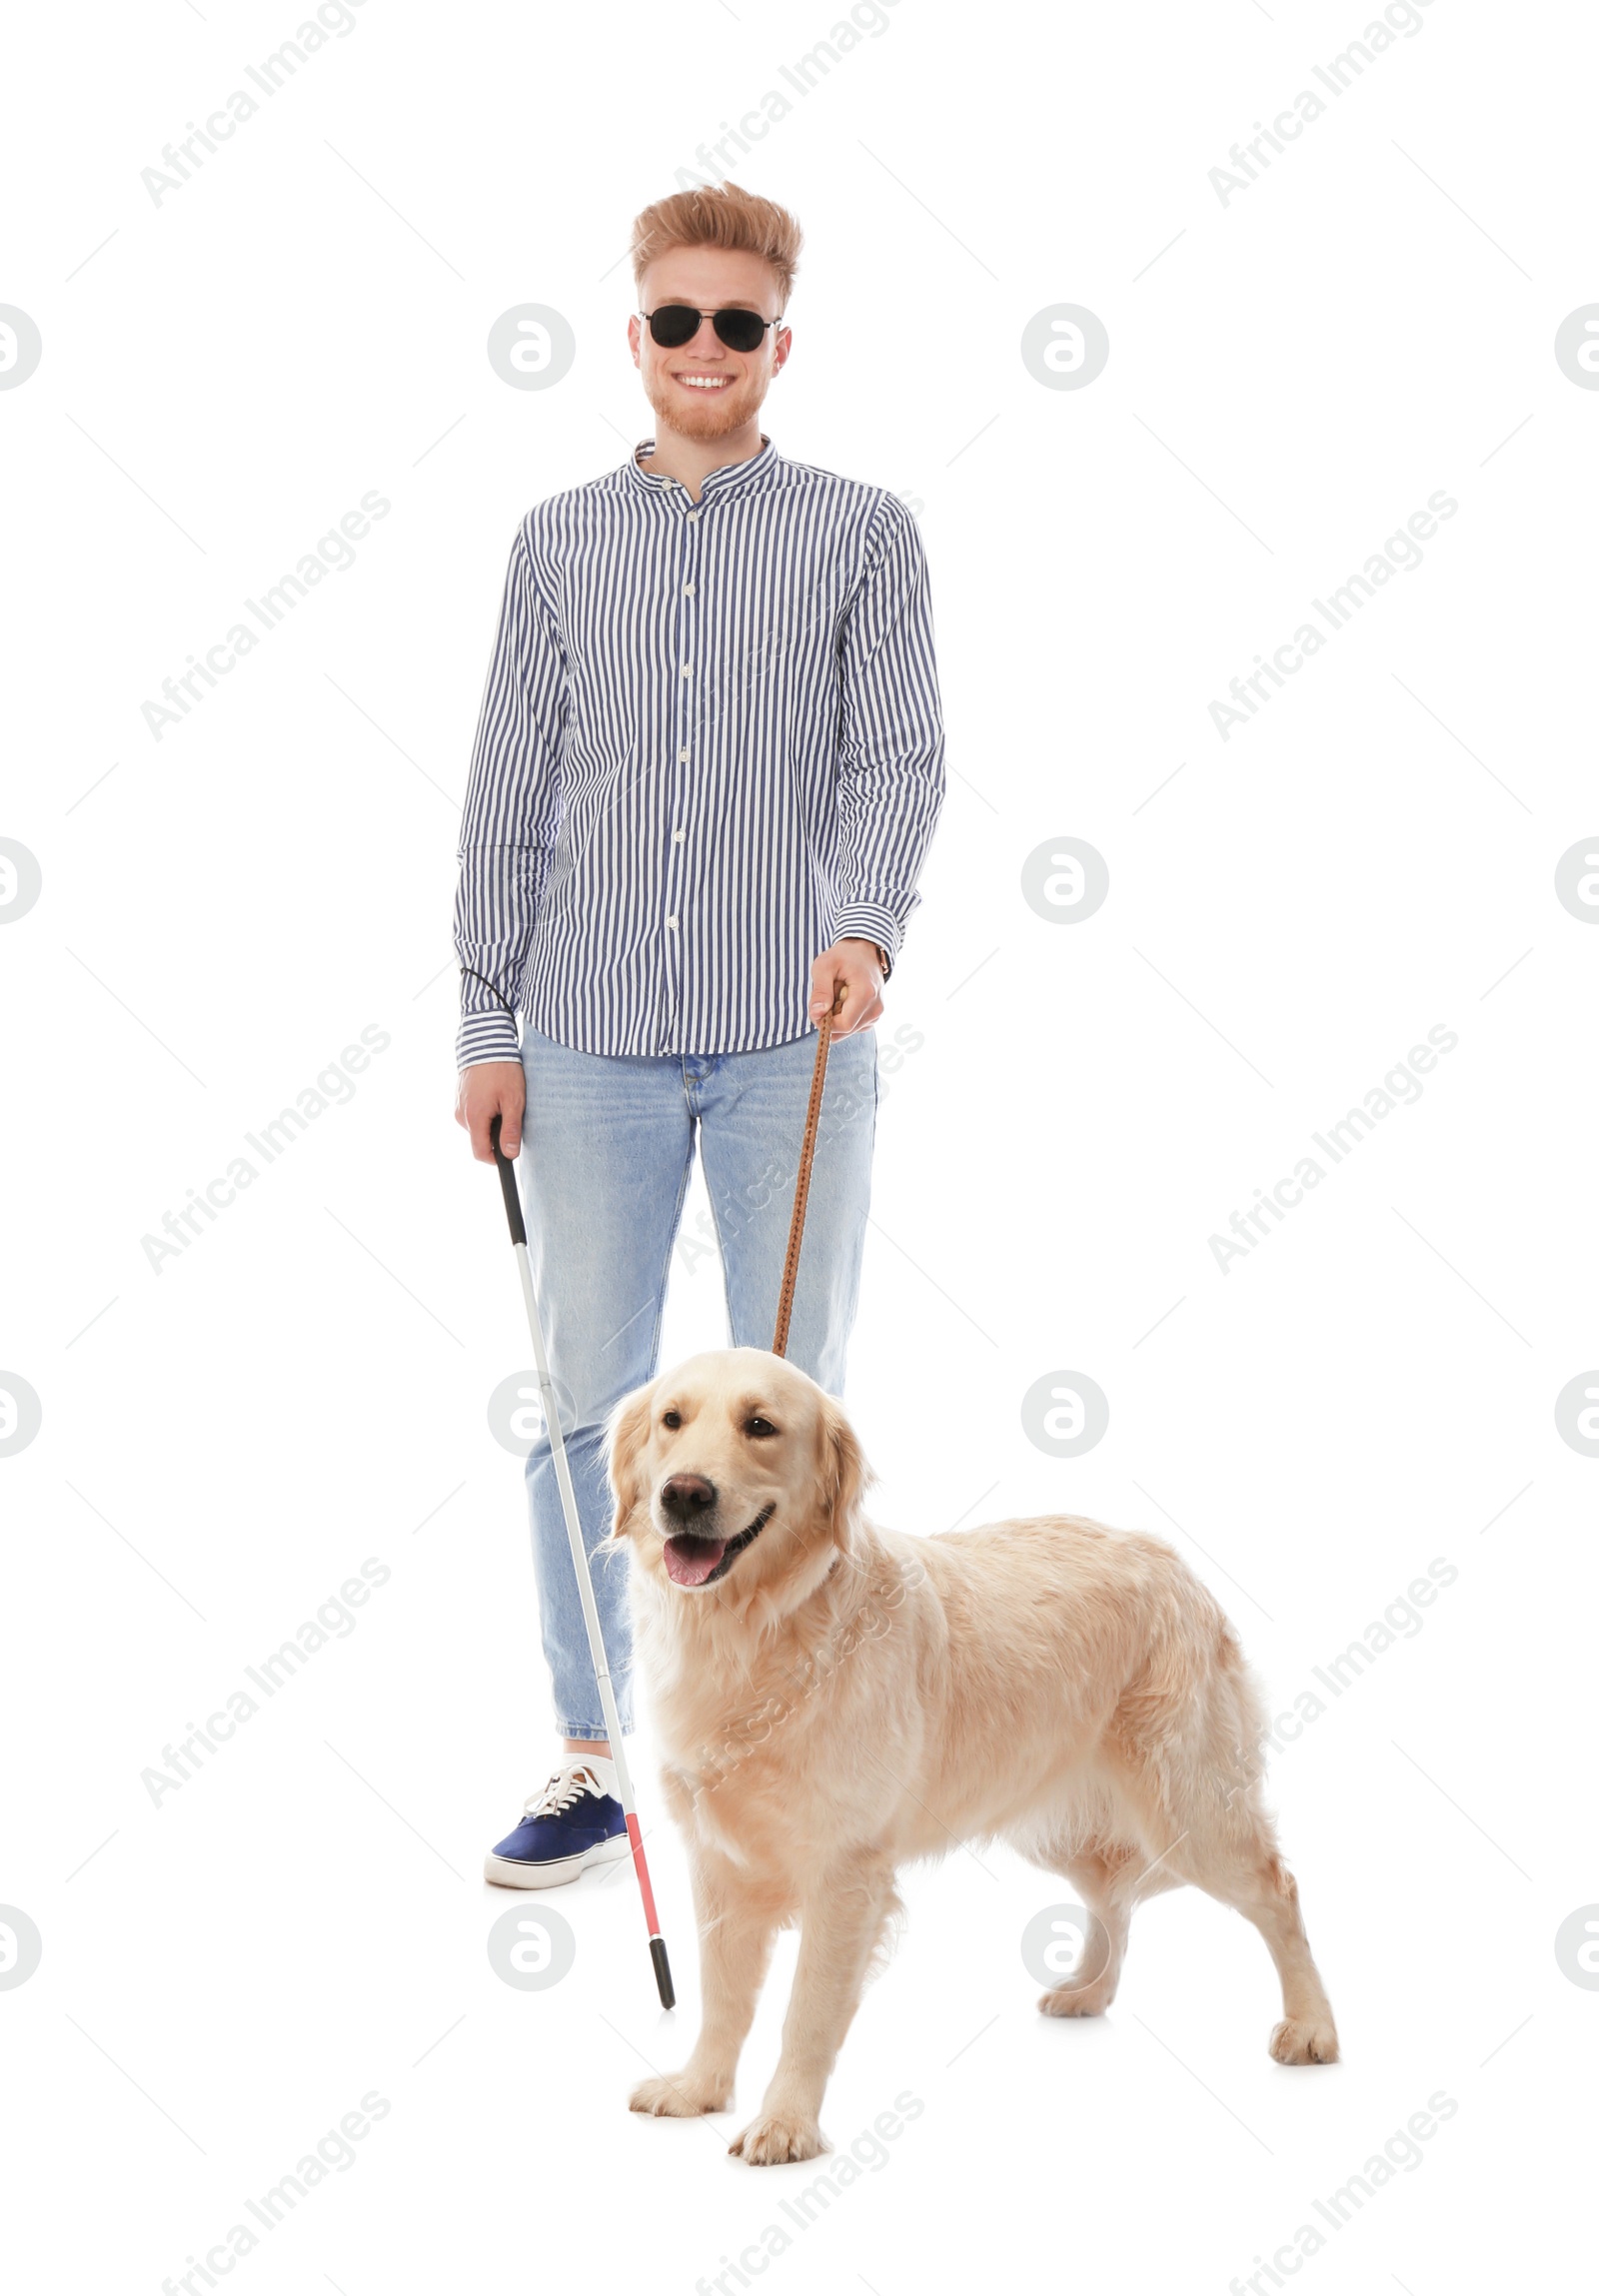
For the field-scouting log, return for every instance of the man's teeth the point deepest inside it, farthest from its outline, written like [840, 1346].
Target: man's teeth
[706, 382]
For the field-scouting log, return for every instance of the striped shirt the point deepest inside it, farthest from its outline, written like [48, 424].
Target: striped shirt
[710, 745]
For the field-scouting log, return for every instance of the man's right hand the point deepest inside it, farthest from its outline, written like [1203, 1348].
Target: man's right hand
[494, 1088]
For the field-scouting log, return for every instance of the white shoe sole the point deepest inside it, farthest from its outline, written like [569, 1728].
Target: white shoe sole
[511, 1874]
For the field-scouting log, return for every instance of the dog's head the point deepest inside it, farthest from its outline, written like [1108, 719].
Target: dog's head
[736, 1476]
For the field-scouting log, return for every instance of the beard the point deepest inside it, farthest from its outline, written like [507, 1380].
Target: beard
[711, 415]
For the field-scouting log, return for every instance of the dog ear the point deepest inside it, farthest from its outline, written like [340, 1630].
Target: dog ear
[625, 1432]
[845, 1475]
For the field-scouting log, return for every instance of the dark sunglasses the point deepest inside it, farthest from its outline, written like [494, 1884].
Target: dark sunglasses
[674, 323]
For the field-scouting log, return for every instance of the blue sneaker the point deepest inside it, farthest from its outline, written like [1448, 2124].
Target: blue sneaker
[575, 1823]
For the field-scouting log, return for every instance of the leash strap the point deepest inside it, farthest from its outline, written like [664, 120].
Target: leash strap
[802, 1190]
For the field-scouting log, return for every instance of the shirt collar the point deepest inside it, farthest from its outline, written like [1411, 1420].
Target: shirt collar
[731, 479]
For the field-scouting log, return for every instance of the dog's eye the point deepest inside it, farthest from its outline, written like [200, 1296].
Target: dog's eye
[758, 1426]
[671, 1419]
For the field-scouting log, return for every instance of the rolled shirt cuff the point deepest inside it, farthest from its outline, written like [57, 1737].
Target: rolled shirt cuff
[865, 921]
[483, 1036]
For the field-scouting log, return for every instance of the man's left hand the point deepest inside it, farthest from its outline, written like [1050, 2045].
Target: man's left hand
[855, 964]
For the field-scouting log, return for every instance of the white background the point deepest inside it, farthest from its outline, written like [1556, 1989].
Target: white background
[1291, 375]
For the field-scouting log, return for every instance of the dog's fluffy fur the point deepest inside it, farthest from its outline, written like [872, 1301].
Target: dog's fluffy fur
[844, 1699]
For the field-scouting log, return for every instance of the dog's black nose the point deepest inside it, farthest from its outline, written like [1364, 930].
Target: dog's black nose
[687, 1496]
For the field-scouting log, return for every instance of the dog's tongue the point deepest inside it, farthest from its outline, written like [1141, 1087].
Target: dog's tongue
[690, 1560]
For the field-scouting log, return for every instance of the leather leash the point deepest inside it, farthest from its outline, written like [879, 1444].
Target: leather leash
[802, 1188]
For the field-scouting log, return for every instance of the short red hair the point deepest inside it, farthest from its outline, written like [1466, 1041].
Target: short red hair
[719, 215]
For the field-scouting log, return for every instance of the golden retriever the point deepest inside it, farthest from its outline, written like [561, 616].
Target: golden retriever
[834, 1700]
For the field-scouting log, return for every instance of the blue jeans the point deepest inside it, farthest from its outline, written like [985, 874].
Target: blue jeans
[607, 1149]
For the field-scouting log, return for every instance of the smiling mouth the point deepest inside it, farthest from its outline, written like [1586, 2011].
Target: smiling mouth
[705, 382]
[695, 1560]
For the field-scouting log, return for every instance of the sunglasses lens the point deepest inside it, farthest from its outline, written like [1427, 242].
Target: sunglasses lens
[673, 324]
[739, 330]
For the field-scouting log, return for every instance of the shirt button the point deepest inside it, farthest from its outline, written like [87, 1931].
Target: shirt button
[682, 757]
[692, 515]
[677, 836]
[687, 590]
[685, 670]
[673, 922]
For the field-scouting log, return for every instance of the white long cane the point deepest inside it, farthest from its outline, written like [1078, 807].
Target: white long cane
[579, 1564]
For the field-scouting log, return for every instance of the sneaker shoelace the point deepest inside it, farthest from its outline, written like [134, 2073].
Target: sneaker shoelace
[561, 1789]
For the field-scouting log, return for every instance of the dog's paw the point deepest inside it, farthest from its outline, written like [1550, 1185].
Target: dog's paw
[779, 2136]
[1305, 2041]
[1085, 2001]
[680, 2094]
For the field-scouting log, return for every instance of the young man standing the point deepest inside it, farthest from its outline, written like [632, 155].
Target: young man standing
[708, 769]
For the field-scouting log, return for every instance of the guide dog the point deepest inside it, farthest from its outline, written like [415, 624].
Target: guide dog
[834, 1700]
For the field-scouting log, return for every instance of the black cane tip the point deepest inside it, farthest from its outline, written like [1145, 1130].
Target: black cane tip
[658, 1955]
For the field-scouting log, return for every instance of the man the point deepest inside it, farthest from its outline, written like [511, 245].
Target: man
[708, 768]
